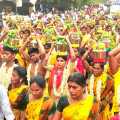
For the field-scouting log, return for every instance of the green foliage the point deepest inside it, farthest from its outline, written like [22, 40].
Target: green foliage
[80, 3]
[73, 3]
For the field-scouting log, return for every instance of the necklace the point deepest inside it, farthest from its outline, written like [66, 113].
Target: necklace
[62, 87]
[98, 87]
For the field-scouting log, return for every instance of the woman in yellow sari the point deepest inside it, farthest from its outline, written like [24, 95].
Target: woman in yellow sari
[114, 62]
[78, 105]
[23, 36]
[100, 85]
[18, 92]
[39, 106]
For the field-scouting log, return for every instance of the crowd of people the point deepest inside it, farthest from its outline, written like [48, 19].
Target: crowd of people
[60, 66]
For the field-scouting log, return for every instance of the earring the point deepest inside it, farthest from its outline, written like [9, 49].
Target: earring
[21, 80]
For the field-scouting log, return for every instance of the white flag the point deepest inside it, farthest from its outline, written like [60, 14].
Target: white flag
[18, 3]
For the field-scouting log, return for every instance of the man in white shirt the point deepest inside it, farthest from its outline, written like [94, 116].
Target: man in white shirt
[7, 66]
[5, 109]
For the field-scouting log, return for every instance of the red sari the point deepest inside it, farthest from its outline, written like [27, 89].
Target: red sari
[79, 67]
[51, 79]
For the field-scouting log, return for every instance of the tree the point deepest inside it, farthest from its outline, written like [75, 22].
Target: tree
[65, 4]
[80, 3]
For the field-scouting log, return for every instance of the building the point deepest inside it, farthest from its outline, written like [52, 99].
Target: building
[12, 3]
[115, 6]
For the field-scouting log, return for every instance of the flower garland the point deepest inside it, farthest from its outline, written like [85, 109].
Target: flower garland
[63, 83]
[29, 71]
[98, 87]
[92, 84]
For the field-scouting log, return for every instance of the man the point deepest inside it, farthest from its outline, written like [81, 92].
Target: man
[35, 58]
[7, 66]
[5, 110]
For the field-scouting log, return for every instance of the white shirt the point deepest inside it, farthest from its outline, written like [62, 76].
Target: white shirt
[5, 110]
[5, 76]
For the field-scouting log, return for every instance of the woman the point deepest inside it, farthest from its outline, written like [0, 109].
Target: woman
[61, 71]
[97, 82]
[78, 105]
[114, 62]
[39, 106]
[101, 86]
[18, 92]
[58, 76]
[78, 60]
[24, 35]
[74, 53]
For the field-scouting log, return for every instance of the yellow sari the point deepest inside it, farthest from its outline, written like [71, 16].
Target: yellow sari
[14, 96]
[105, 114]
[33, 109]
[22, 62]
[116, 98]
[94, 84]
[79, 110]
[39, 109]
[14, 93]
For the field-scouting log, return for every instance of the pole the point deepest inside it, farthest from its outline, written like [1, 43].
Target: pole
[16, 9]
[34, 7]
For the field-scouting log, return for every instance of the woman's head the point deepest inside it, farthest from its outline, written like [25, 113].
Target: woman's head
[61, 60]
[76, 51]
[76, 85]
[47, 47]
[26, 33]
[34, 54]
[37, 85]
[108, 28]
[19, 75]
[98, 69]
[83, 29]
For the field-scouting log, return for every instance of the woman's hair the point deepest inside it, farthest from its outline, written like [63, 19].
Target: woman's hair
[22, 73]
[81, 51]
[33, 50]
[47, 46]
[11, 50]
[77, 78]
[62, 56]
[101, 64]
[39, 80]
[27, 31]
